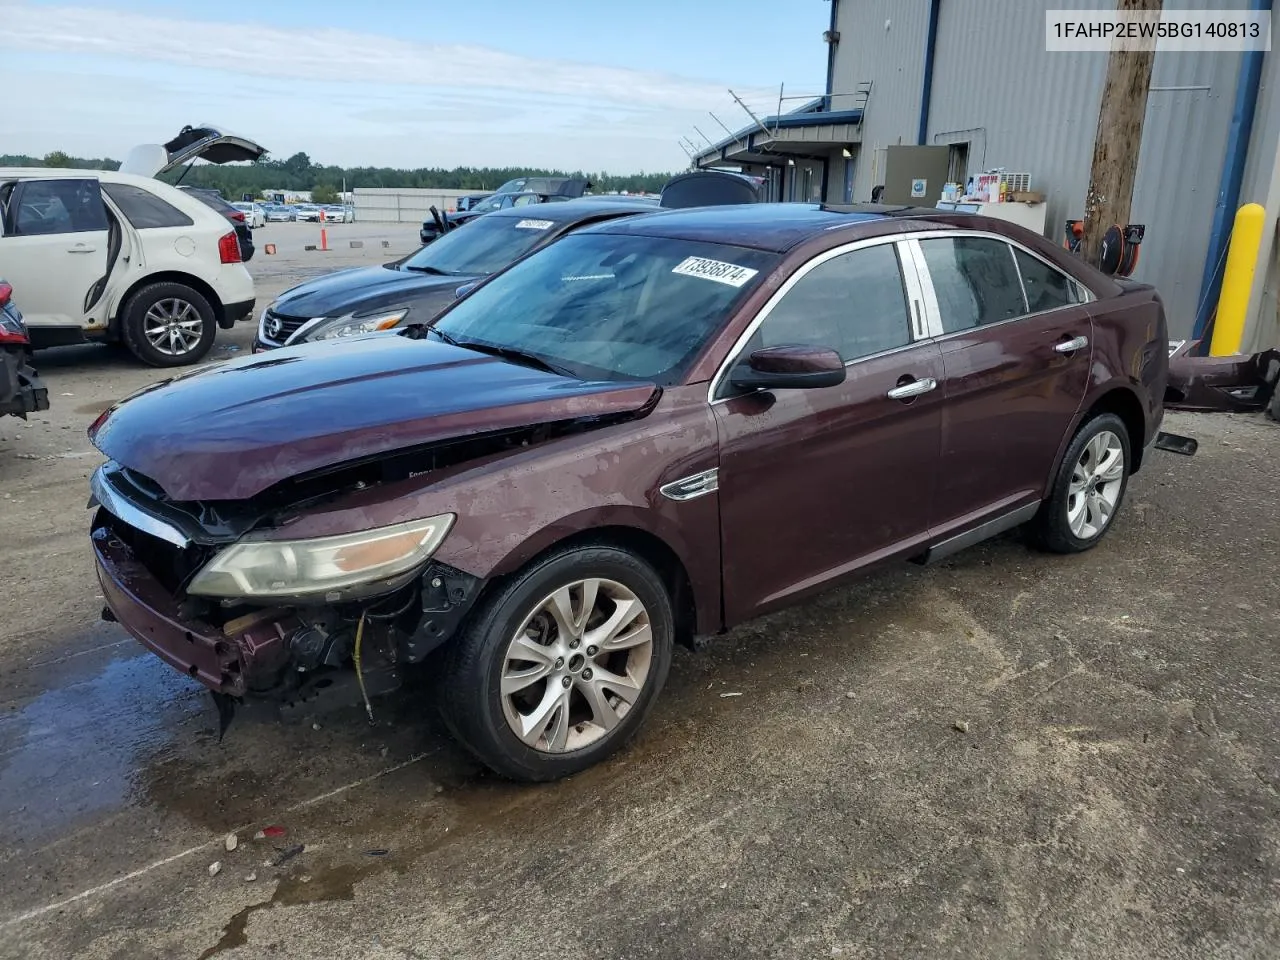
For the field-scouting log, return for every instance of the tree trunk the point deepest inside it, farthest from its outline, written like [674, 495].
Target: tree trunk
[1119, 138]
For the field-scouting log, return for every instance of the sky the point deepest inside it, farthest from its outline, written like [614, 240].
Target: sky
[604, 85]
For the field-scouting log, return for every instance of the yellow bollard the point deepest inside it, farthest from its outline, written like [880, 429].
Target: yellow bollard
[1237, 281]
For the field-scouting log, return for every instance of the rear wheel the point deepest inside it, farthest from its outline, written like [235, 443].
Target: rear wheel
[168, 325]
[1089, 488]
[559, 668]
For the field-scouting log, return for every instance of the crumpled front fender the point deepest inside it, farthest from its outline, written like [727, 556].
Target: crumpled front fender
[1237, 383]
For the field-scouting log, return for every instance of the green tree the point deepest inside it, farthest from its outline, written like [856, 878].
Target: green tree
[324, 193]
[58, 159]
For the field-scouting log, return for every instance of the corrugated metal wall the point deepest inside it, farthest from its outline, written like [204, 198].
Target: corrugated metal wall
[1265, 331]
[881, 41]
[1022, 108]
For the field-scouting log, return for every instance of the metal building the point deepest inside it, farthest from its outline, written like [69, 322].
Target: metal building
[975, 75]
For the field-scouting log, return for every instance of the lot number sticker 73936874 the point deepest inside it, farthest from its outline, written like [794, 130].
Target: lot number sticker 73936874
[717, 270]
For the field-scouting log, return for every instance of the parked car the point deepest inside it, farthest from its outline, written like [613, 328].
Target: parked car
[280, 213]
[337, 213]
[306, 211]
[648, 431]
[254, 215]
[469, 201]
[239, 222]
[416, 288]
[542, 190]
[21, 389]
[430, 229]
[101, 255]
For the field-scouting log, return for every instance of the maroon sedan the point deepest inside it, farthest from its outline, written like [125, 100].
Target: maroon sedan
[645, 433]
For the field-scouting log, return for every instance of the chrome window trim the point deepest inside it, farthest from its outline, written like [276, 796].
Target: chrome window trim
[736, 350]
[930, 295]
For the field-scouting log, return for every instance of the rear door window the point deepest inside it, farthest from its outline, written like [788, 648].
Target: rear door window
[44, 207]
[975, 281]
[853, 303]
[1046, 287]
[143, 208]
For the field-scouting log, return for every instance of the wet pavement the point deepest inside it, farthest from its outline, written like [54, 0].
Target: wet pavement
[1008, 755]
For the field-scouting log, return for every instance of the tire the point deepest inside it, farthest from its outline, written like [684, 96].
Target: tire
[165, 299]
[1073, 520]
[517, 617]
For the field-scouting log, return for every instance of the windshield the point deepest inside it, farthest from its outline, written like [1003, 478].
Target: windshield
[486, 246]
[489, 204]
[513, 186]
[608, 307]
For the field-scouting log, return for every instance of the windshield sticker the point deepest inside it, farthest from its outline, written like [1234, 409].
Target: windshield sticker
[534, 225]
[587, 276]
[730, 273]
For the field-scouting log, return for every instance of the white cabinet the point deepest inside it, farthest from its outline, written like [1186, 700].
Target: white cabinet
[1029, 215]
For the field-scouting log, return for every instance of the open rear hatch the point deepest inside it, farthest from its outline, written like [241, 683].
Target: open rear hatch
[205, 142]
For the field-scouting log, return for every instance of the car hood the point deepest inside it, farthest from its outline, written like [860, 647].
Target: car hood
[230, 431]
[207, 141]
[369, 288]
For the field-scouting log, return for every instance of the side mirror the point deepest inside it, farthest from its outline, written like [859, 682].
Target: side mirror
[466, 288]
[792, 367]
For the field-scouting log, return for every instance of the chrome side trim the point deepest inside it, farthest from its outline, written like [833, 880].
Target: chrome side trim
[122, 509]
[983, 531]
[692, 487]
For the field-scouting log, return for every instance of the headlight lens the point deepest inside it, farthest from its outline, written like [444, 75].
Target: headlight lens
[350, 326]
[256, 567]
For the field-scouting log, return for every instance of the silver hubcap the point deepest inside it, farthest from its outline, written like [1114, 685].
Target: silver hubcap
[1096, 480]
[173, 326]
[576, 666]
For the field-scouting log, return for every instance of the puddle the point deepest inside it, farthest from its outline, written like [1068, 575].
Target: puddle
[75, 750]
[328, 886]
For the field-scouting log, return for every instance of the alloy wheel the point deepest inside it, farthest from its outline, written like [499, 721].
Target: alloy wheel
[173, 326]
[1097, 480]
[576, 666]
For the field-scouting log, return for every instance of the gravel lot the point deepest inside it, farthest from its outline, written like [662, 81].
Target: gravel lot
[1006, 756]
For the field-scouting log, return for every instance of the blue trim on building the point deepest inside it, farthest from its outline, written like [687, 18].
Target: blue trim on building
[1246, 102]
[930, 47]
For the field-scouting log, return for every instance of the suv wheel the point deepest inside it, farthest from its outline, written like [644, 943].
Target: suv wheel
[561, 665]
[1089, 487]
[168, 325]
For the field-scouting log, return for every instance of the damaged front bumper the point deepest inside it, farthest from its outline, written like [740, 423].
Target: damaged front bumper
[293, 659]
[1238, 384]
[21, 389]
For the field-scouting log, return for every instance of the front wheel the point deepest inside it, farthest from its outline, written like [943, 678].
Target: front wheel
[559, 668]
[168, 325]
[1089, 488]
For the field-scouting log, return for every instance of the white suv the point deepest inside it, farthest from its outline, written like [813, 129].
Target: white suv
[98, 255]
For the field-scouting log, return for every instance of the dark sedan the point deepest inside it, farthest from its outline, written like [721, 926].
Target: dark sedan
[415, 289]
[645, 433]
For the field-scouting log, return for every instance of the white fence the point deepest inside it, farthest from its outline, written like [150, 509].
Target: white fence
[394, 205]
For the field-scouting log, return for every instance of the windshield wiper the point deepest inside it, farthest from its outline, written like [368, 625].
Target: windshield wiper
[434, 271]
[514, 355]
[447, 338]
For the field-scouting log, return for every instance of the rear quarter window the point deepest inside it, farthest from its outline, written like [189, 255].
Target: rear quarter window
[143, 208]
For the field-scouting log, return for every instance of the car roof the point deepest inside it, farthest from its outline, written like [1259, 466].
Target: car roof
[61, 173]
[776, 227]
[572, 211]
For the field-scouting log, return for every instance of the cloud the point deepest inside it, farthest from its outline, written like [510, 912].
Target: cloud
[356, 57]
[107, 79]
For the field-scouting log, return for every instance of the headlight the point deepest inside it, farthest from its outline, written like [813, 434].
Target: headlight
[257, 567]
[350, 326]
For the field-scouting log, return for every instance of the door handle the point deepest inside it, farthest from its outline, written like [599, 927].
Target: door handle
[1071, 346]
[81, 248]
[913, 389]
